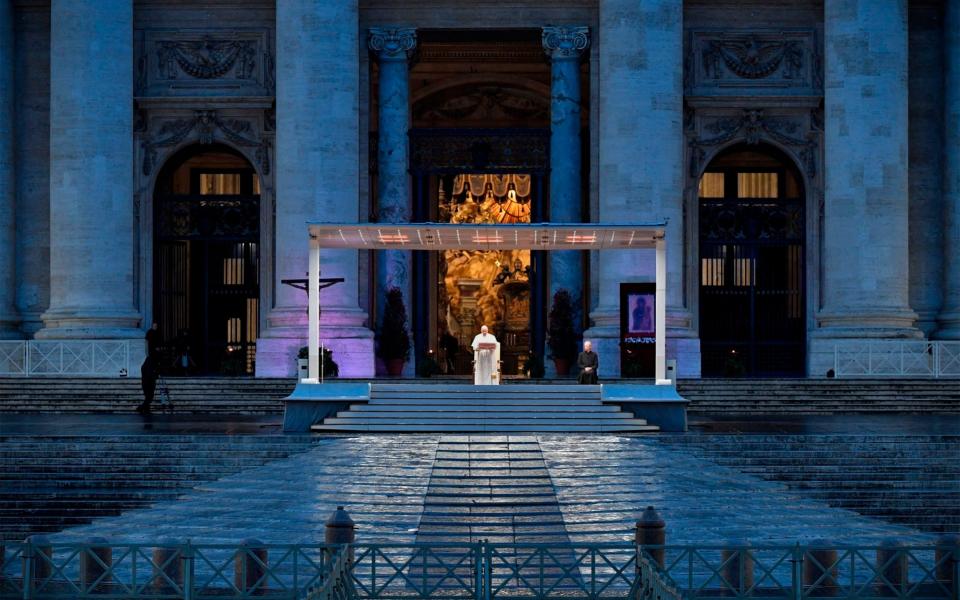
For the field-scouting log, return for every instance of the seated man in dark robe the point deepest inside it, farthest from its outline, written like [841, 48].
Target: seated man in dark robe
[588, 363]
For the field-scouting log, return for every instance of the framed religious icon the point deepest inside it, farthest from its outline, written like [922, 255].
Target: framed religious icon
[638, 329]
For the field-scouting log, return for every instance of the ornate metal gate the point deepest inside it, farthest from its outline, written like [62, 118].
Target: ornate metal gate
[206, 277]
[752, 313]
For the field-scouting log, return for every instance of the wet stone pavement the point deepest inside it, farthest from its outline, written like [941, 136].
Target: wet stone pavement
[516, 488]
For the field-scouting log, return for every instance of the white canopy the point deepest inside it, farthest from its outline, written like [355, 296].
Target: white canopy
[448, 236]
[451, 236]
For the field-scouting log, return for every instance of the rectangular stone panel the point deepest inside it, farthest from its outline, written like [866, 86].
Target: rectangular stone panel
[763, 62]
[204, 62]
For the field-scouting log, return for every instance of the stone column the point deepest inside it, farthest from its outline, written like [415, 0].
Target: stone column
[950, 315]
[394, 203]
[641, 164]
[91, 172]
[564, 45]
[926, 166]
[9, 320]
[317, 179]
[865, 259]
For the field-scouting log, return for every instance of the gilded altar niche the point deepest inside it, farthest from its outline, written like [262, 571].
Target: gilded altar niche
[487, 287]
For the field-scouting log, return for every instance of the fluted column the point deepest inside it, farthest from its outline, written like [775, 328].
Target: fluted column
[394, 203]
[950, 315]
[9, 320]
[865, 267]
[641, 164]
[564, 45]
[317, 179]
[91, 166]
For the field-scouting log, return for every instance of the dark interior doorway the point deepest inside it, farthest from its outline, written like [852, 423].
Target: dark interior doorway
[206, 266]
[752, 291]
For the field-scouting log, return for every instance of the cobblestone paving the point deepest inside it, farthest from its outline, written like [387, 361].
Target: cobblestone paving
[504, 488]
[380, 479]
[604, 482]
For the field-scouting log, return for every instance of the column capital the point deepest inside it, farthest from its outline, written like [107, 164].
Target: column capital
[392, 44]
[565, 41]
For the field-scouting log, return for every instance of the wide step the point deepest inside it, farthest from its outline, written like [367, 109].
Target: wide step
[468, 408]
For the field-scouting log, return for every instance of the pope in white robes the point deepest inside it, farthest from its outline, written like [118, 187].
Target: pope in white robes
[485, 368]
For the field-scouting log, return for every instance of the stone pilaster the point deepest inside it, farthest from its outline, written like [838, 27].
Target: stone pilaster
[394, 268]
[865, 260]
[317, 179]
[564, 45]
[950, 315]
[641, 164]
[91, 166]
[9, 320]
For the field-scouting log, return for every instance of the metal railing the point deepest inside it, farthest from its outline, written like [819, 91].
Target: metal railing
[477, 571]
[84, 358]
[889, 358]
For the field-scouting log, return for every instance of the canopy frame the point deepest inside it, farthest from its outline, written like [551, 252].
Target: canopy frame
[445, 236]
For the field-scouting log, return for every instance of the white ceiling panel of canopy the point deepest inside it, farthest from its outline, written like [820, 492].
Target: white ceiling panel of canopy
[449, 236]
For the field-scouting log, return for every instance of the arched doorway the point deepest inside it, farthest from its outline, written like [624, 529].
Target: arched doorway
[480, 154]
[206, 261]
[752, 293]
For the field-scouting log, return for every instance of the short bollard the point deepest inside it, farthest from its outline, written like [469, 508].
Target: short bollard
[94, 576]
[249, 568]
[947, 555]
[820, 570]
[652, 531]
[38, 558]
[167, 567]
[891, 568]
[340, 528]
[737, 569]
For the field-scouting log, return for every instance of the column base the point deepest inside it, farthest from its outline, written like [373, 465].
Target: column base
[949, 325]
[89, 324]
[341, 330]
[850, 330]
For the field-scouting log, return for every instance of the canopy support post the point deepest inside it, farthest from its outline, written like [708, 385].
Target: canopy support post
[313, 311]
[660, 369]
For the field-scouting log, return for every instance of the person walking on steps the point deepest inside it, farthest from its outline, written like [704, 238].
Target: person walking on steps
[148, 381]
[149, 370]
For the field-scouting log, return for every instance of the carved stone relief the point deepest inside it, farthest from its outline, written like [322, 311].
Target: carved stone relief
[209, 62]
[797, 131]
[207, 127]
[783, 62]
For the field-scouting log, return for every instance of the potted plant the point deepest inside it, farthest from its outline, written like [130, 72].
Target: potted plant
[562, 339]
[329, 367]
[533, 366]
[393, 341]
[427, 366]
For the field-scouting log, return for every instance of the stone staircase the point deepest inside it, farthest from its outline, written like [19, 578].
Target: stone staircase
[48, 483]
[913, 480]
[820, 396]
[718, 397]
[190, 395]
[467, 408]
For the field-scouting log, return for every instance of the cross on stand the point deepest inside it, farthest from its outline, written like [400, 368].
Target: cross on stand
[304, 284]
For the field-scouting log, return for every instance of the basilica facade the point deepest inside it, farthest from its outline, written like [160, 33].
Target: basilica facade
[160, 161]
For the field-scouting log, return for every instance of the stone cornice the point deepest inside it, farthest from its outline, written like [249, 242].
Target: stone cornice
[758, 101]
[392, 43]
[565, 41]
[203, 102]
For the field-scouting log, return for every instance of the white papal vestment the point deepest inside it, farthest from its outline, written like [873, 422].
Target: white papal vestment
[485, 368]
